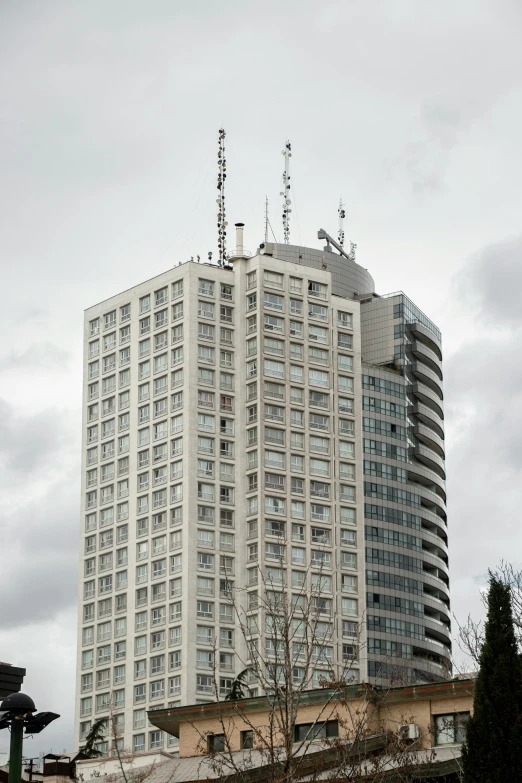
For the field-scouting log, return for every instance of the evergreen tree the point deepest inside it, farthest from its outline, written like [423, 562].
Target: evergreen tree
[239, 688]
[96, 734]
[493, 749]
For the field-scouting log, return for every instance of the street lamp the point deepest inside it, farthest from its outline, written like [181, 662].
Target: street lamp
[16, 713]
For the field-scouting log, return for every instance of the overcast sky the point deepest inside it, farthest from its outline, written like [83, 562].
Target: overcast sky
[109, 111]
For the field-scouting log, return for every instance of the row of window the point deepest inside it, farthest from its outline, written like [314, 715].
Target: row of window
[206, 514]
[206, 399]
[298, 557]
[207, 288]
[205, 585]
[274, 345]
[158, 476]
[206, 376]
[156, 739]
[383, 386]
[157, 299]
[393, 537]
[207, 355]
[318, 513]
[207, 492]
[205, 636]
[106, 561]
[317, 489]
[295, 374]
[206, 310]
[391, 603]
[449, 729]
[157, 641]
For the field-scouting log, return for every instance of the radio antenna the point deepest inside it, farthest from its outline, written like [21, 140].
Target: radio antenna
[221, 223]
[342, 215]
[287, 152]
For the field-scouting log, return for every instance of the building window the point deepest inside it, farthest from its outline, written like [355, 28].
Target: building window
[451, 729]
[247, 739]
[273, 302]
[310, 731]
[206, 287]
[226, 314]
[155, 740]
[273, 324]
[345, 320]
[273, 279]
[177, 289]
[216, 743]
[317, 289]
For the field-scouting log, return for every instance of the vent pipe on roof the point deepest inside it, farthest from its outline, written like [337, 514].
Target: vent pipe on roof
[239, 240]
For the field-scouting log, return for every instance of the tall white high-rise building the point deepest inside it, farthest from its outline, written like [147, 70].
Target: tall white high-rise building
[272, 416]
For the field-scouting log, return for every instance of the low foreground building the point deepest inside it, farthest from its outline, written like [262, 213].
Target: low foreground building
[353, 732]
[134, 766]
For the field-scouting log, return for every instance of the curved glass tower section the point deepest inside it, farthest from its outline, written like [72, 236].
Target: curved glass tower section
[405, 525]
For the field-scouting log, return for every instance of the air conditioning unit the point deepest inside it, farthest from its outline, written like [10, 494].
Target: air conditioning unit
[409, 731]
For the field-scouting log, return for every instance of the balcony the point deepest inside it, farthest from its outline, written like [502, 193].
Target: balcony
[430, 459]
[428, 397]
[435, 552]
[432, 501]
[426, 416]
[430, 439]
[427, 357]
[432, 593]
[429, 378]
[438, 574]
[427, 337]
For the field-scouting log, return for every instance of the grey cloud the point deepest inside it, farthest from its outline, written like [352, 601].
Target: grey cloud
[47, 651]
[423, 163]
[34, 315]
[38, 356]
[42, 540]
[483, 392]
[491, 282]
[29, 444]
[39, 479]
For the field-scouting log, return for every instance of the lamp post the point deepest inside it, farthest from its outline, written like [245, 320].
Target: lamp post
[16, 713]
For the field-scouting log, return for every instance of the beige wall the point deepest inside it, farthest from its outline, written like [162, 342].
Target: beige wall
[370, 718]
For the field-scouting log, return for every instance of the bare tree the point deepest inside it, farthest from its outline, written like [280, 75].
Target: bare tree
[288, 637]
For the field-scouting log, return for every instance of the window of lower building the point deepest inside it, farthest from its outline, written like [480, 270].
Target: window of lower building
[451, 729]
[310, 731]
[216, 743]
[247, 739]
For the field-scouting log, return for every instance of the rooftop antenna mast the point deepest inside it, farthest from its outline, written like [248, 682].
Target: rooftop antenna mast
[342, 215]
[221, 224]
[266, 218]
[287, 152]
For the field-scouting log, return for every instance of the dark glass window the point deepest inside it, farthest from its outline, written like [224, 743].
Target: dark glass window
[216, 743]
[311, 731]
[247, 739]
[451, 729]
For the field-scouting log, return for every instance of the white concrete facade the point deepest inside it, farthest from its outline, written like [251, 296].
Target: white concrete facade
[216, 401]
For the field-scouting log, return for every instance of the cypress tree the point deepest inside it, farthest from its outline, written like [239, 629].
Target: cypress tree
[493, 749]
